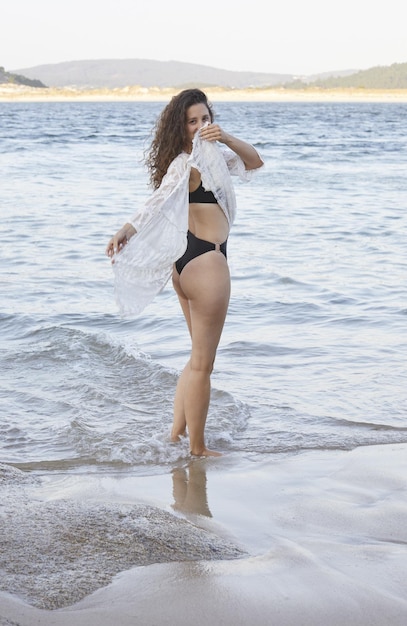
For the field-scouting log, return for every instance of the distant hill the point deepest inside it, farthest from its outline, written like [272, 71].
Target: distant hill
[119, 73]
[379, 77]
[111, 73]
[17, 79]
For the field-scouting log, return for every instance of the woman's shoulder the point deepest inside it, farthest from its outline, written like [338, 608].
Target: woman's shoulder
[176, 170]
[178, 164]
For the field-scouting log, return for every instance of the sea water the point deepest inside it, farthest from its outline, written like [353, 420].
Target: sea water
[313, 354]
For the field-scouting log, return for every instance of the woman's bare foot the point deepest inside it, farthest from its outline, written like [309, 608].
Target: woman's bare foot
[205, 452]
[177, 438]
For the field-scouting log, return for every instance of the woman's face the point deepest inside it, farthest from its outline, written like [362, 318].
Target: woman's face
[197, 115]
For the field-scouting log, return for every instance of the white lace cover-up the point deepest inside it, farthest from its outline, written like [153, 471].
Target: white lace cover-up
[142, 268]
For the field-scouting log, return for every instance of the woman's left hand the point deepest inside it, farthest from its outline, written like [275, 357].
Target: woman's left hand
[212, 132]
[248, 154]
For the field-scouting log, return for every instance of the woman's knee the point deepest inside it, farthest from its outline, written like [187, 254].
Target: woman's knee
[201, 363]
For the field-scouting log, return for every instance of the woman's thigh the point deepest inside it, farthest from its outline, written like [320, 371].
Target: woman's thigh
[205, 282]
[183, 300]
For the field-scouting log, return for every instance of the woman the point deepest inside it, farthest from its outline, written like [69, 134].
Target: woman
[183, 230]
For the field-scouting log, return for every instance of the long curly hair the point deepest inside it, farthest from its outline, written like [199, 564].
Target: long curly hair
[170, 135]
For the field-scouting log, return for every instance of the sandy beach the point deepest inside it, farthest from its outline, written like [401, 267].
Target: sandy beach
[13, 93]
[322, 534]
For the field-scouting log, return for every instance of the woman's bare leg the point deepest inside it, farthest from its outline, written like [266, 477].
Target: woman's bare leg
[180, 424]
[205, 283]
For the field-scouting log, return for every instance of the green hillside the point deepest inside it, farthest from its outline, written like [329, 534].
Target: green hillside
[155, 73]
[380, 77]
[17, 79]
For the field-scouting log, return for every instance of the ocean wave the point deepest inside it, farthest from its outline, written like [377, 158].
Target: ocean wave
[89, 396]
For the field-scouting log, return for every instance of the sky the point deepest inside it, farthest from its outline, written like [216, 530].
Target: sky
[301, 37]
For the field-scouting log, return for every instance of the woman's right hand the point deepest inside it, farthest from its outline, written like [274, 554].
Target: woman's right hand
[119, 240]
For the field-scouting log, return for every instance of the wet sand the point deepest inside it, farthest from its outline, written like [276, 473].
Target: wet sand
[322, 537]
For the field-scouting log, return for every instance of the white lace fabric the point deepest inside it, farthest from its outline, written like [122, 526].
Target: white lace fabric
[142, 268]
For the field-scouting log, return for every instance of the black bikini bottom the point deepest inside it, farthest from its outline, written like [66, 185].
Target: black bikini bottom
[196, 247]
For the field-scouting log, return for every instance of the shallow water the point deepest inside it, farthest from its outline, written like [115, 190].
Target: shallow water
[313, 351]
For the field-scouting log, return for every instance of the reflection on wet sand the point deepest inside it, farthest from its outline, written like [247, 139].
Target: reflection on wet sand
[189, 489]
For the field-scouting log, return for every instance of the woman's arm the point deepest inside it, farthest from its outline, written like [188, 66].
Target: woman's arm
[246, 151]
[151, 207]
[120, 239]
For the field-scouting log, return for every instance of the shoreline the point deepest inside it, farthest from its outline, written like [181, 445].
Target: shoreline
[324, 532]
[21, 93]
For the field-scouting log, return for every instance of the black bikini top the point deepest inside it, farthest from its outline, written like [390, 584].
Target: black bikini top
[200, 195]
